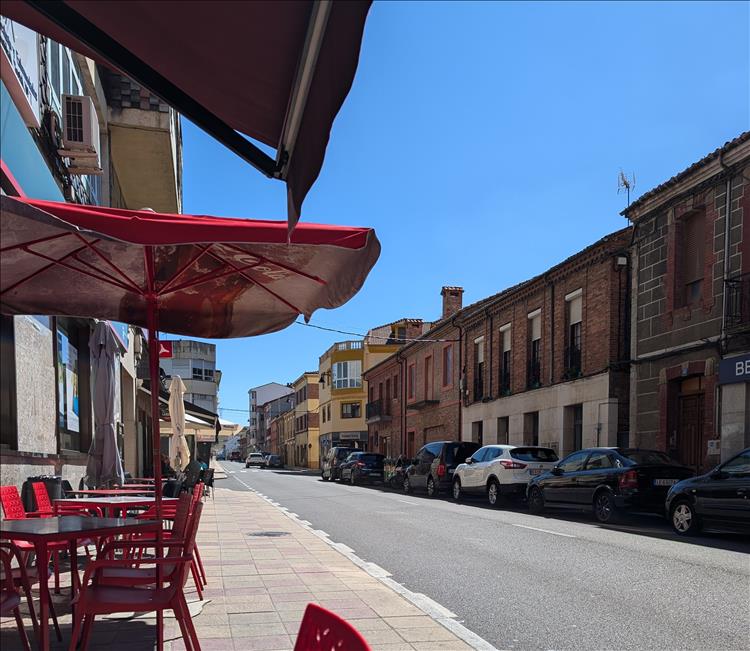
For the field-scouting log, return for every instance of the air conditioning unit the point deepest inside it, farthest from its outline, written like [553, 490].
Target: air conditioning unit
[80, 128]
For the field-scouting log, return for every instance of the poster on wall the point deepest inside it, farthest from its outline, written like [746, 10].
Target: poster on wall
[19, 68]
[62, 357]
[72, 391]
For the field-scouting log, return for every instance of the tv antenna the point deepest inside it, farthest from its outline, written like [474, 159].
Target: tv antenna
[625, 184]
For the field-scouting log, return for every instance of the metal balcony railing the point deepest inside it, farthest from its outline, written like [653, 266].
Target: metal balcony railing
[378, 410]
[572, 362]
[738, 303]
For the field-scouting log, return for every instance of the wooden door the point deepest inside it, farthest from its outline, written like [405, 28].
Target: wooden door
[690, 445]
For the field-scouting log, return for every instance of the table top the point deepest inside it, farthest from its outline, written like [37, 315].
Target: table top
[70, 527]
[114, 491]
[114, 500]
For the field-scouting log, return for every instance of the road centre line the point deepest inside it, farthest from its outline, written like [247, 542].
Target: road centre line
[554, 533]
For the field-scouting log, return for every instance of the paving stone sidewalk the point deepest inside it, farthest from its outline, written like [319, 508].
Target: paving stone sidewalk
[263, 568]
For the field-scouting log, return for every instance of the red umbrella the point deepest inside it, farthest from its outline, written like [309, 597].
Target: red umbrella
[275, 71]
[191, 275]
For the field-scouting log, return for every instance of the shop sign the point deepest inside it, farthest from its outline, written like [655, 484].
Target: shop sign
[205, 437]
[121, 332]
[349, 436]
[19, 68]
[165, 349]
[734, 369]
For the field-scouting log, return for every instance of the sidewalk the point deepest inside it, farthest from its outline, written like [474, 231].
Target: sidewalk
[263, 567]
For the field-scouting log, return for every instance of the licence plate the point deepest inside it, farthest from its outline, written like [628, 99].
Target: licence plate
[535, 471]
[665, 482]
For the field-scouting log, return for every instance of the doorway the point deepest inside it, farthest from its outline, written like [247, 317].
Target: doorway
[688, 436]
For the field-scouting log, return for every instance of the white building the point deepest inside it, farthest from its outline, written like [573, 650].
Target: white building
[195, 363]
[258, 396]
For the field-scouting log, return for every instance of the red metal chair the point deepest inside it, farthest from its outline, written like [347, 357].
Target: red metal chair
[97, 598]
[24, 578]
[10, 600]
[322, 630]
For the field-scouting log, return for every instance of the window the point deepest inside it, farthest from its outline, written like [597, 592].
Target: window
[351, 409]
[395, 387]
[477, 433]
[478, 368]
[533, 454]
[480, 455]
[534, 370]
[573, 462]
[690, 258]
[410, 381]
[599, 460]
[574, 309]
[329, 411]
[324, 414]
[448, 365]
[494, 453]
[503, 426]
[505, 359]
[740, 465]
[347, 375]
[203, 370]
[573, 427]
[428, 377]
[531, 428]
[387, 402]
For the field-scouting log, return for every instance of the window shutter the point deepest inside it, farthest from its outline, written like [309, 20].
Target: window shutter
[575, 309]
[536, 328]
[506, 339]
[694, 238]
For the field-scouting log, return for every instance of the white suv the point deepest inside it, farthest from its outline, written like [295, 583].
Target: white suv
[498, 470]
[255, 459]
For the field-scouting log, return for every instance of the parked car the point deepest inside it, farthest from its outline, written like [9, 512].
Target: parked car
[720, 498]
[333, 461]
[255, 459]
[499, 470]
[362, 466]
[433, 467]
[274, 461]
[608, 481]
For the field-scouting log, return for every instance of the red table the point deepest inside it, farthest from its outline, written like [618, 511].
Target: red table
[43, 531]
[104, 492]
[114, 503]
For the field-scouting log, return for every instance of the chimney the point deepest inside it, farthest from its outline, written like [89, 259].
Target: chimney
[452, 300]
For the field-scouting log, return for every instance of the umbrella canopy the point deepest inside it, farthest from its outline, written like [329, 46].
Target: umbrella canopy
[179, 453]
[200, 276]
[277, 72]
[104, 466]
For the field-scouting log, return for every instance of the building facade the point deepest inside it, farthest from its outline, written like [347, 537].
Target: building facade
[267, 413]
[691, 310]
[46, 419]
[195, 363]
[257, 397]
[546, 362]
[304, 449]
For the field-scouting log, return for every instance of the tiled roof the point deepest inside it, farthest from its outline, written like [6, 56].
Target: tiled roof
[686, 172]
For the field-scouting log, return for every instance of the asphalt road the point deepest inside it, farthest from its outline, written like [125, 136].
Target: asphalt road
[535, 582]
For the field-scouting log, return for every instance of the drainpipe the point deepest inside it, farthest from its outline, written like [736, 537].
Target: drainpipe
[460, 377]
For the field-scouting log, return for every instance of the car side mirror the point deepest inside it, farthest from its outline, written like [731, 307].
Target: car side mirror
[557, 470]
[719, 474]
[469, 460]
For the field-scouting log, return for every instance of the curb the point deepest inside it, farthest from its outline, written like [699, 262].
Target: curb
[428, 606]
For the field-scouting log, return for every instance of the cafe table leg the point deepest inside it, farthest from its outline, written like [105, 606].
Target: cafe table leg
[42, 564]
[73, 551]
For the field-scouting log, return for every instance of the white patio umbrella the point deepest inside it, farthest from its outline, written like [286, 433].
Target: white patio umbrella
[179, 453]
[104, 466]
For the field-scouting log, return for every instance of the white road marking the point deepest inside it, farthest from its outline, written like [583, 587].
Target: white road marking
[408, 502]
[554, 533]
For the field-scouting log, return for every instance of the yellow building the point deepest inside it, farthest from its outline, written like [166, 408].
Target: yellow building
[304, 452]
[343, 393]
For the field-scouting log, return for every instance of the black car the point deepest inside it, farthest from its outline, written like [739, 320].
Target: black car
[362, 466]
[432, 469]
[274, 461]
[333, 460]
[720, 498]
[607, 480]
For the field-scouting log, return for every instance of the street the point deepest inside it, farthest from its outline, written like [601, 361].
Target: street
[534, 582]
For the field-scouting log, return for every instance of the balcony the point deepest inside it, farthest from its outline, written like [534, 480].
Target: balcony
[738, 304]
[572, 362]
[533, 373]
[378, 411]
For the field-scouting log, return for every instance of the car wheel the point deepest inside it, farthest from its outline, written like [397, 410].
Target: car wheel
[457, 490]
[604, 507]
[493, 493]
[323, 476]
[407, 485]
[247, 465]
[432, 490]
[684, 519]
[536, 500]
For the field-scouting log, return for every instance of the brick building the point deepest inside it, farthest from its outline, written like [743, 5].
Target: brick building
[546, 360]
[691, 310]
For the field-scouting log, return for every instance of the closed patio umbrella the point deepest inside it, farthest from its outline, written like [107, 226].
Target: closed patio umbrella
[179, 453]
[104, 466]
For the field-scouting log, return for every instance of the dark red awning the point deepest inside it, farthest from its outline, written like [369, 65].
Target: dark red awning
[196, 275]
[277, 72]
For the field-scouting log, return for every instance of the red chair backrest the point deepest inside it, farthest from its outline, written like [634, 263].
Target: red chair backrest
[181, 515]
[179, 580]
[43, 502]
[197, 492]
[11, 502]
[322, 630]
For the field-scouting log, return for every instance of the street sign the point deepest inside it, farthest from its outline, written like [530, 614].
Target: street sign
[734, 369]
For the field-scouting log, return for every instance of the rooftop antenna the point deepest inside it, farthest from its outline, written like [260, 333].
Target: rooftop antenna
[626, 184]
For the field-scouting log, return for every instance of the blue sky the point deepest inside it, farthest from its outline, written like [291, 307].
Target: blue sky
[483, 142]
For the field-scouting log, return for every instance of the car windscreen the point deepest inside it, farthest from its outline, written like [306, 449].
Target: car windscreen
[647, 457]
[342, 453]
[456, 453]
[372, 459]
[533, 454]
